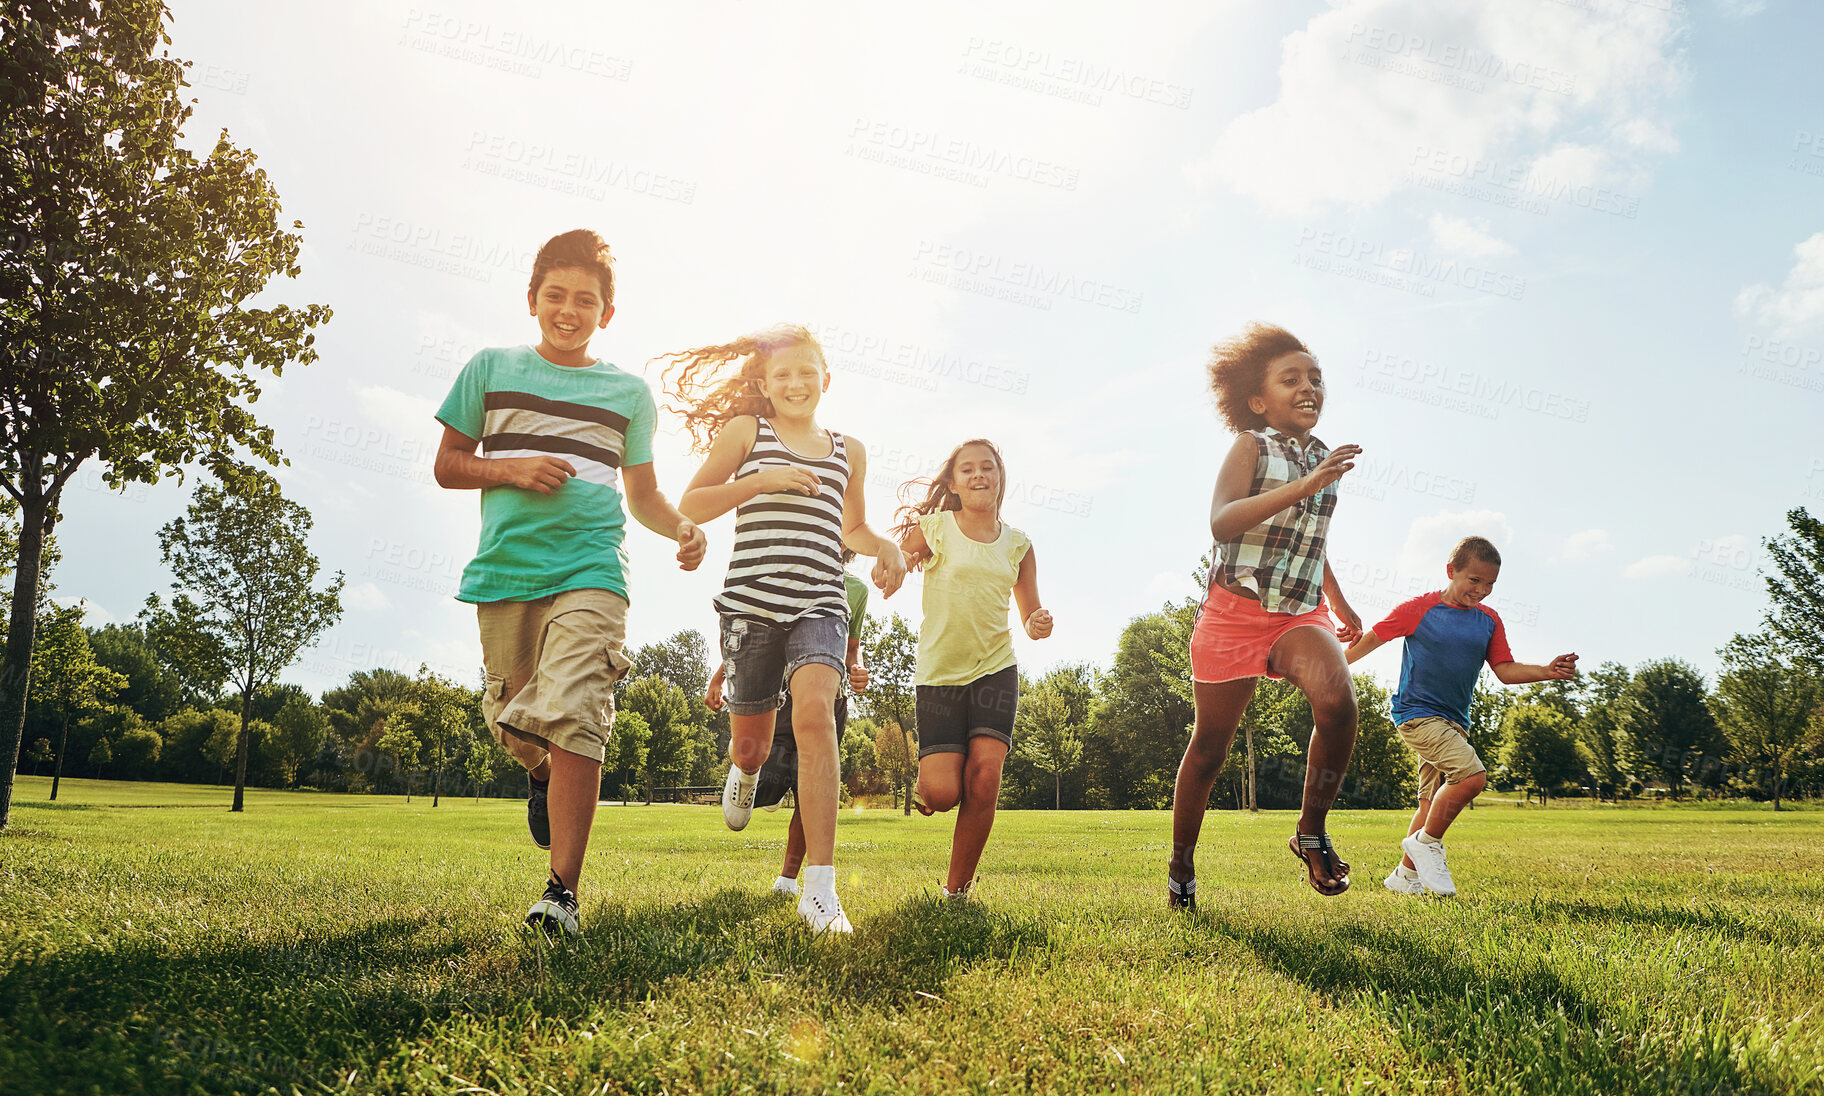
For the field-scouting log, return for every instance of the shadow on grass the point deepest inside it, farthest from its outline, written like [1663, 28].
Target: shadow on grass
[1516, 1030]
[1783, 930]
[142, 1016]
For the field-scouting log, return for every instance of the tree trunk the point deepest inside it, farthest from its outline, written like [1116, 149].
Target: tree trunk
[16, 672]
[1776, 784]
[1057, 792]
[905, 784]
[1253, 788]
[240, 749]
[437, 777]
[63, 745]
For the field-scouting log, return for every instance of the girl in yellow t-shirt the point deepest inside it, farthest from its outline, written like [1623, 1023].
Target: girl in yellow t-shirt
[967, 682]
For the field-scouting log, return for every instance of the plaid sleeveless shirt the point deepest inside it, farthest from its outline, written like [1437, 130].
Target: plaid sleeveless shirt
[1281, 560]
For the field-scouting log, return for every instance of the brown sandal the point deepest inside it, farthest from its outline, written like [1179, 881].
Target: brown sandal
[1304, 844]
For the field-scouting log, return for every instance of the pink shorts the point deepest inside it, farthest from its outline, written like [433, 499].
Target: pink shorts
[1234, 635]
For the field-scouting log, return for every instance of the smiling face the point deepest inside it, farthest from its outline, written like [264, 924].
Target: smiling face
[793, 379]
[570, 308]
[976, 477]
[1470, 583]
[1291, 394]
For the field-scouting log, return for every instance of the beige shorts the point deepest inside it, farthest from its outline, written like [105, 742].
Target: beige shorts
[551, 665]
[1445, 755]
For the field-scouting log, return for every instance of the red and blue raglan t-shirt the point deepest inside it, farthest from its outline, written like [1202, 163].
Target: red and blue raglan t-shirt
[1445, 649]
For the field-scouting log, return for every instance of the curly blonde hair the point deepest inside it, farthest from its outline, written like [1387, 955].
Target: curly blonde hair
[940, 490]
[1238, 371]
[709, 396]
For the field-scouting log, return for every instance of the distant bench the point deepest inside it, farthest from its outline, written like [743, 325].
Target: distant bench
[708, 793]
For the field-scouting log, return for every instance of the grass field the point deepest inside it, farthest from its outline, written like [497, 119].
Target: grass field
[152, 942]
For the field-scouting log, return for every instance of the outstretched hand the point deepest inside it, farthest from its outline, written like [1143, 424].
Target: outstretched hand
[1331, 469]
[1563, 668]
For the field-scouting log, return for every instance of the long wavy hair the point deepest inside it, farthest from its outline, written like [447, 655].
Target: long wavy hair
[940, 491]
[709, 394]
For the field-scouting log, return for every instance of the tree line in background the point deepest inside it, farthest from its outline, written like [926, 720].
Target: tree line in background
[116, 702]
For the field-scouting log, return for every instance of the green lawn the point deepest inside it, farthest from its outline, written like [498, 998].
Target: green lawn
[152, 942]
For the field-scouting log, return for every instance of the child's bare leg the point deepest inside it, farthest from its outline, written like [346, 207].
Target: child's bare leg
[750, 739]
[1418, 823]
[814, 688]
[794, 848]
[576, 782]
[1220, 707]
[1312, 659]
[940, 780]
[1450, 802]
[981, 794]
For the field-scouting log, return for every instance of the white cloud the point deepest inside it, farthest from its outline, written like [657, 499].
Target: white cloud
[365, 596]
[1585, 544]
[1796, 304]
[1740, 9]
[1371, 90]
[1656, 567]
[93, 615]
[409, 414]
[1465, 237]
[1430, 539]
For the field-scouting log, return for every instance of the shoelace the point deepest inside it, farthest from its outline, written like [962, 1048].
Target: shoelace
[555, 891]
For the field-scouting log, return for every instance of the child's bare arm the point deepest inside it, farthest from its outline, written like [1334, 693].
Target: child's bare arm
[711, 494]
[712, 693]
[889, 563]
[1562, 668]
[1352, 624]
[858, 672]
[459, 469]
[915, 547]
[1233, 511]
[1363, 647]
[651, 508]
[1034, 617]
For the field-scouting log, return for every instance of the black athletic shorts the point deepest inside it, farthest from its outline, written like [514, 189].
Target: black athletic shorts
[950, 715]
[780, 773]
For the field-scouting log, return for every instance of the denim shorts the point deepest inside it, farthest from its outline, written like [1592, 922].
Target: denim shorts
[950, 715]
[760, 657]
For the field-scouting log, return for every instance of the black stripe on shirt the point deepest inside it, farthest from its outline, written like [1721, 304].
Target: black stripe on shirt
[559, 408]
[551, 444]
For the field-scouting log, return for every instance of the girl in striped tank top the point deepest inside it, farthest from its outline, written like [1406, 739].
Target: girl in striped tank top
[796, 490]
[1265, 611]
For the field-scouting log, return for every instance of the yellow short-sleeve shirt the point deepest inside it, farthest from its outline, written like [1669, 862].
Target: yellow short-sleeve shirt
[968, 587]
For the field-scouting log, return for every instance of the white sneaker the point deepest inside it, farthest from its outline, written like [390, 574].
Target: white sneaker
[823, 912]
[738, 797]
[1399, 884]
[960, 894]
[785, 886]
[1434, 873]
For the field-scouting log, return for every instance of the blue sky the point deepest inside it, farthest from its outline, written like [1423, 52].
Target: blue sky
[1562, 262]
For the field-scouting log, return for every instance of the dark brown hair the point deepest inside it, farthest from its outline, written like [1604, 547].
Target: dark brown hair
[579, 247]
[1238, 371]
[1474, 547]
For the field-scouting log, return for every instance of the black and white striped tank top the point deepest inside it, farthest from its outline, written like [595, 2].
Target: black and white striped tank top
[787, 562]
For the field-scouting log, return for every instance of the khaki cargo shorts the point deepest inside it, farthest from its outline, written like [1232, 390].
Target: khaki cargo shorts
[1445, 755]
[551, 668]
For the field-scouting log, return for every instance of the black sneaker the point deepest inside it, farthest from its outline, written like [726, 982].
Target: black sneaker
[538, 817]
[556, 910]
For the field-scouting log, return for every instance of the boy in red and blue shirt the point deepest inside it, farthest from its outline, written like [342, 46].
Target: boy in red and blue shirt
[1449, 634]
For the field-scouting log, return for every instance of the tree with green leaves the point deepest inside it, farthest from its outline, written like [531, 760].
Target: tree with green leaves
[299, 729]
[1382, 773]
[137, 748]
[153, 689]
[628, 743]
[67, 683]
[127, 272]
[897, 757]
[892, 660]
[1797, 588]
[1607, 750]
[1541, 748]
[1665, 712]
[100, 755]
[1143, 714]
[1765, 701]
[241, 551]
[667, 712]
[435, 718]
[1047, 736]
[39, 754]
